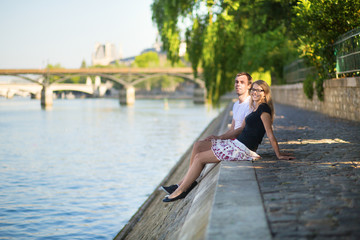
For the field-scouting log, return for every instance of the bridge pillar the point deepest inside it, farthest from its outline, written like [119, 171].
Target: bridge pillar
[97, 84]
[199, 95]
[46, 97]
[10, 94]
[88, 81]
[36, 95]
[127, 96]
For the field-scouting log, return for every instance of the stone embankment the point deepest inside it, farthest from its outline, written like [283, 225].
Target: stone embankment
[315, 196]
[215, 204]
[341, 98]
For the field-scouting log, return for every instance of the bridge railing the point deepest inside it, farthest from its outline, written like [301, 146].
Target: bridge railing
[347, 52]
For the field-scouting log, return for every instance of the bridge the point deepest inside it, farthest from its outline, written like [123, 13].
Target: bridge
[126, 77]
[8, 90]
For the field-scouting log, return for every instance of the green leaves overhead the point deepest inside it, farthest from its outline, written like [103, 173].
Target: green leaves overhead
[317, 25]
[229, 36]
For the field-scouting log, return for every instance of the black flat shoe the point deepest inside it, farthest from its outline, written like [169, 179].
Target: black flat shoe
[181, 196]
[170, 189]
[192, 186]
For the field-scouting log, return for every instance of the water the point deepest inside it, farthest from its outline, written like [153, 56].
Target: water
[83, 168]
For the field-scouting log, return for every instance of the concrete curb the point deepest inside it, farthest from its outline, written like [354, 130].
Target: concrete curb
[237, 211]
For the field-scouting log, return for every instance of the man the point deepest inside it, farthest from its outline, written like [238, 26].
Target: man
[241, 109]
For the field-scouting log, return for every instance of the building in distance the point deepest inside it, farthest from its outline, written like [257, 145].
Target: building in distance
[104, 54]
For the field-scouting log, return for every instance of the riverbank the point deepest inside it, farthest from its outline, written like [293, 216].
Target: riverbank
[209, 208]
[156, 220]
[315, 196]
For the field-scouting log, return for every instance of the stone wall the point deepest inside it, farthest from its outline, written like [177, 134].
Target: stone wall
[341, 98]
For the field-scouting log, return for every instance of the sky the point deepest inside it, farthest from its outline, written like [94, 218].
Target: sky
[34, 33]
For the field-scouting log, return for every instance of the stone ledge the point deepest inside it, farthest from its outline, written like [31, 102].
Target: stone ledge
[342, 82]
[226, 204]
[237, 211]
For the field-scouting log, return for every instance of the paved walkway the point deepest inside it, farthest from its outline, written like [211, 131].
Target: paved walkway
[316, 196]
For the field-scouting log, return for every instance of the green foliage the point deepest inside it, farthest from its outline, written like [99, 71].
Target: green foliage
[83, 64]
[81, 79]
[148, 59]
[76, 79]
[194, 43]
[266, 76]
[325, 21]
[165, 15]
[229, 36]
[319, 87]
[308, 86]
[51, 79]
[226, 37]
[318, 24]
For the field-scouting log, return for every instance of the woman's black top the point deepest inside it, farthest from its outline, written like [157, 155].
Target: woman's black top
[254, 131]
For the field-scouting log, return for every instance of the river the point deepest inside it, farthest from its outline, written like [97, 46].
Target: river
[81, 169]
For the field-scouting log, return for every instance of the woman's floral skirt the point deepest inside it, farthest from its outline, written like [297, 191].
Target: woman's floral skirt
[232, 150]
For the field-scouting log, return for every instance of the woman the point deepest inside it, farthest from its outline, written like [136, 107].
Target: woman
[253, 129]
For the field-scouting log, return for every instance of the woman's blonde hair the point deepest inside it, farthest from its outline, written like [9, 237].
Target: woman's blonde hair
[267, 99]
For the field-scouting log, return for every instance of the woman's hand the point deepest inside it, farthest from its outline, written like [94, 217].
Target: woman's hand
[211, 137]
[285, 156]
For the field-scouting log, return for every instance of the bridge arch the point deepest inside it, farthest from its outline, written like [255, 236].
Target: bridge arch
[38, 81]
[72, 87]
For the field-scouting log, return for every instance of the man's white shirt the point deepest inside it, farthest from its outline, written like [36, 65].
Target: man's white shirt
[240, 111]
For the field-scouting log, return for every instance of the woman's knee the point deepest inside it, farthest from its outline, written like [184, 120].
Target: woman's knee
[197, 146]
[201, 146]
[199, 159]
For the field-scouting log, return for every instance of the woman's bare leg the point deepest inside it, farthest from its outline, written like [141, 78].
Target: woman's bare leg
[194, 171]
[199, 146]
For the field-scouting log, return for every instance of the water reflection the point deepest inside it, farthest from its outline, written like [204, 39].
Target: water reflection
[82, 169]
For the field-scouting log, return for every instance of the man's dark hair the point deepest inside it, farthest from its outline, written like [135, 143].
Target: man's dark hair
[247, 76]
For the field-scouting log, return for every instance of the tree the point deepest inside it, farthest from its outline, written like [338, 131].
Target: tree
[228, 36]
[81, 79]
[52, 79]
[318, 24]
[148, 59]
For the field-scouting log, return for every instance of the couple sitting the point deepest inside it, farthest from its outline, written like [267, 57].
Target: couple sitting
[252, 116]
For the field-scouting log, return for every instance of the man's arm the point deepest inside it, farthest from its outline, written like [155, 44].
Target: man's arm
[232, 127]
[219, 137]
[232, 132]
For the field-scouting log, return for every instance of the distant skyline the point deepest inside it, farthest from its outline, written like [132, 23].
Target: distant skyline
[37, 32]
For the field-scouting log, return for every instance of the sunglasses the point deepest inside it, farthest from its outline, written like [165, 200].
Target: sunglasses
[256, 90]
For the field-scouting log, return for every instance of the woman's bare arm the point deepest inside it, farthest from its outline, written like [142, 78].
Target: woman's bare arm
[266, 119]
